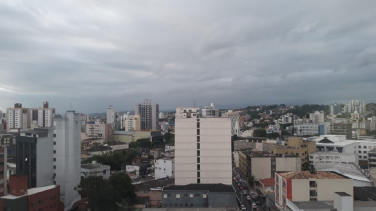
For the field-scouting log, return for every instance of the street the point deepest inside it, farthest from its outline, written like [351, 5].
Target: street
[242, 197]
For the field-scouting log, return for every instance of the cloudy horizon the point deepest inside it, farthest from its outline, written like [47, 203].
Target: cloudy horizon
[93, 54]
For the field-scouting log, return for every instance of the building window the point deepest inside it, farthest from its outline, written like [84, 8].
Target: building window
[54, 167]
[54, 142]
[178, 196]
[359, 151]
[198, 152]
[198, 174]
[197, 194]
[54, 159]
[198, 181]
[369, 147]
[54, 151]
[55, 135]
[198, 167]
[198, 132]
[198, 160]
[185, 194]
[365, 157]
[190, 195]
[204, 196]
[312, 184]
[360, 156]
[364, 147]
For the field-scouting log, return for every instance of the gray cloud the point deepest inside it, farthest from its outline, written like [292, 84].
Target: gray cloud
[100, 53]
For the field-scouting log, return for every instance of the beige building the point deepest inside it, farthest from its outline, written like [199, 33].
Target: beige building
[307, 186]
[202, 148]
[264, 164]
[132, 123]
[296, 146]
[96, 129]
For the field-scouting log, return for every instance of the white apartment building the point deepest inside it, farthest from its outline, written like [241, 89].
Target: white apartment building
[161, 115]
[67, 156]
[23, 118]
[164, 168]
[317, 117]
[202, 148]
[355, 105]
[95, 169]
[132, 123]
[307, 129]
[333, 157]
[110, 116]
[95, 129]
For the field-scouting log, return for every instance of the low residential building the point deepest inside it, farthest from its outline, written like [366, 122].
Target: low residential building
[198, 195]
[267, 185]
[296, 146]
[153, 189]
[99, 150]
[95, 169]
[263, 165]
[22, 198]
[332, 157]
[118, 146]
[163, 168]
[307, 186]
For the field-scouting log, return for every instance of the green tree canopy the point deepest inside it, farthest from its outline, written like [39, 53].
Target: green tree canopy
[259, 133]
[107, 194]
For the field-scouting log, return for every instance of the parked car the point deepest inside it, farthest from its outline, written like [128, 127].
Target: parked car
[254, 205]
[241, 188]
[249, 197]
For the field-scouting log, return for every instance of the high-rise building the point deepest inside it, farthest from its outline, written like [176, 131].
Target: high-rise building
[67, 156]
[149, 114]
[202, 148]
[235, 117]
[23, 118]
[111, 116]
[317, 117]
[35, 156]
[6, 140]
[51, 156]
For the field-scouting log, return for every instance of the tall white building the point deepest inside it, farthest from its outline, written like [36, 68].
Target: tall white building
[234, 116]
[149, 114]
[317, 117]
[23, 118]
[67, 156]
[202, 148]
[111, 116]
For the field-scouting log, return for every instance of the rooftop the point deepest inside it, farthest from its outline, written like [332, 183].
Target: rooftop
[155, 184]
[312, 205]
[342, 193]
[309, 175]
[99, 148]
[264, 154]
[268, 182]
[31, 192]
[193, 187]
[348, 170]
[364, 193]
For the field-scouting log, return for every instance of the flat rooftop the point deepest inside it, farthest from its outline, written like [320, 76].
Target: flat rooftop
[264, 154]
[31, 192]
[201, 187]
[313, 205]
[309, 175]
[348, 170]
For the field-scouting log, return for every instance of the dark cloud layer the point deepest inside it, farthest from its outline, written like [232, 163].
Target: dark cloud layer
[96, 53]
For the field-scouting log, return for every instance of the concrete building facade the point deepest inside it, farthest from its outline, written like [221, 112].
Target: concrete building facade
[308, 186]
[149, 115]
[164, 168]
[95, 169]
[333, 157]
[202, 148]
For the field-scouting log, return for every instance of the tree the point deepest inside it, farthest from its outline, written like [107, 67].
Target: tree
[169, 137]
[259, 133]
[285, 133]
[123, 188]
[107, 194]
[134, 144]
[114, 159]
[251, 180]
[144, 142]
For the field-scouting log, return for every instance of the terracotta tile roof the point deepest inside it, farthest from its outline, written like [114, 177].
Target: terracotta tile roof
[268, 182]
[309, 175]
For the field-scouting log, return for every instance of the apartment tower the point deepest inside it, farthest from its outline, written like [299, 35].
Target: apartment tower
[149, 115]
[202, 148]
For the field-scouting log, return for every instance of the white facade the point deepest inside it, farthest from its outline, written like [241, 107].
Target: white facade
[110, 116]
[95, 169]
[68, 156]
[317, 117]
[132, 169]
[164, 168]
[333, 157]
[95, 129]
[161, 115]
[307, 129]
[132, 123]
[210, 111]
[202, 148]
[234, 116]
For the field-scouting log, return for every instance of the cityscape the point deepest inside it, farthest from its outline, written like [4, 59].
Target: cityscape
[266, 157]
[177, 105]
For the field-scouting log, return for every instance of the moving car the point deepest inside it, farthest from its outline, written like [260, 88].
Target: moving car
[254, 205]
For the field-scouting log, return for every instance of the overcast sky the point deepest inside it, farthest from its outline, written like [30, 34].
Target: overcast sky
[232, 53]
